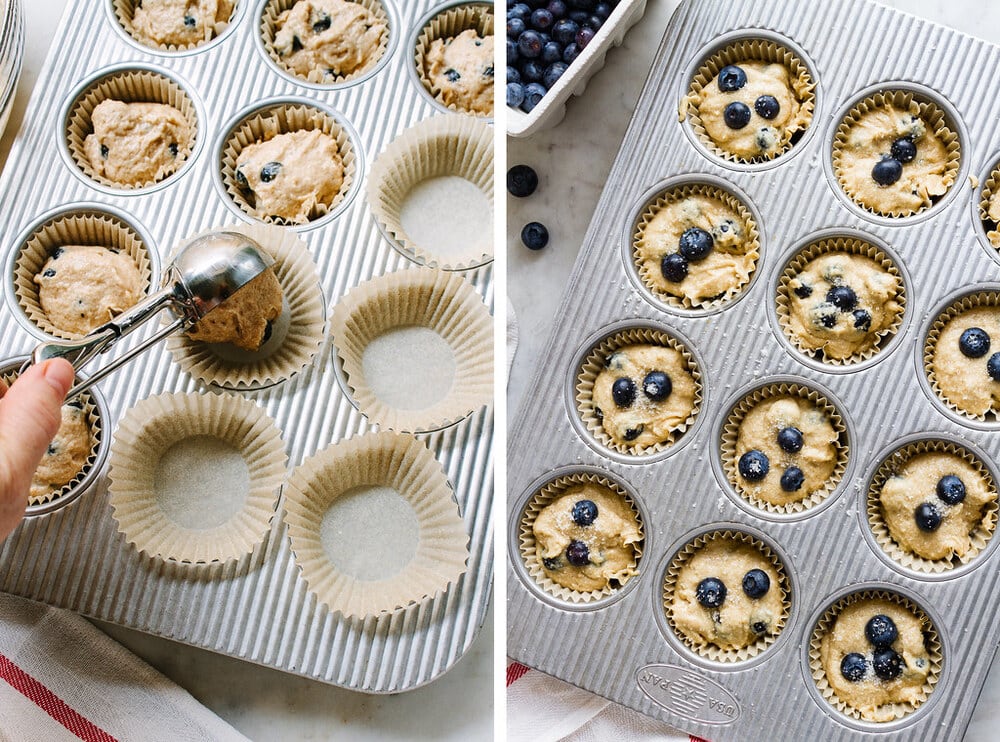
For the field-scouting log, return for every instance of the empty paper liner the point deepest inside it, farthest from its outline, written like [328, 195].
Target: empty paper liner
[125, 11]
[447, 24]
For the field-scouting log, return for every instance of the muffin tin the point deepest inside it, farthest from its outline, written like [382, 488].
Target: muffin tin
[258, 609]
[622, 647]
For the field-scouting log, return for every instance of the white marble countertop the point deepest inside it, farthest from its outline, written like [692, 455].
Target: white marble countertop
[266, 704]
[573, 161]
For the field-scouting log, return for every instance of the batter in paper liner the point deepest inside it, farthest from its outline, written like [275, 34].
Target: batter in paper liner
[645, 421]
[178, 22]
[761, 137]
[462, 69]
[993, 214]
[244, 319]
[872, 696]
[81, 287]
[870, 138]
[137, 143]
[965, 381]
[761, 431]
[915, 484]
[335, 37]
[841, 304]
[739, 620]
[66, 455]
[725, 269]
[608, 532]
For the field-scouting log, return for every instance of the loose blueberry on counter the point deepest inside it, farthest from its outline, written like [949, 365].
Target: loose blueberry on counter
[862, 320]
[993, 367]
[584, 512]
[974, 343]
[802, 291]
[552, 563]
[951, 489]
[904, 149]
[623, 392]
[887, 171]
[522, 181]
[269, 172]
[657, 386]
[731, 78]
[756, 583]
[792, 479]
[515, 94]
[927, 516]
[711, 592]
[887, 664]
[577, 554]
[767, 106]
[853, 667]
[695, 244]
[754, 465]
[790, 439]
[533, 94]
[842, 297]
[881, 630]
[632, 433]
[534, 235]
[674, 267]
[736, 115]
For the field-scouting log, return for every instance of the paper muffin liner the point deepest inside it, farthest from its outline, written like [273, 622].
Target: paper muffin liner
[441, 146]
[127, 86]
[730, 435]
[96, 422]
[73, 228]
[528, 547]
[125, 13]
[269, 29]
[421, 297]
[932, 643]
[711, 651]
[679, 193]
[971, 301]
[448, 24]
[148, 430]
[990, 187]
[932, 116]
[266, 123]
[405, 465]
[298, 332]
[593, 364]
[850, 246]
[751, 50]
[876, 517]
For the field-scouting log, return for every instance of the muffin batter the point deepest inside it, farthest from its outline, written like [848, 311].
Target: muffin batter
[135, 144]
[737, 620]
[634, 404]
[179, 22]
[461, 69]
[871, 694]
[927, 480]
[587, 539]
[753, 109]
[841, 304]
[799, 443]
[874, 140]
[291, 175]
[963, 380]
[993, 214]
[81, 287]
[244, 319]
[333, 37]
[66, 455]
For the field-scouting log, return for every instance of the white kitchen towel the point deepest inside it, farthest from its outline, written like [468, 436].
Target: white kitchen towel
[62, 679]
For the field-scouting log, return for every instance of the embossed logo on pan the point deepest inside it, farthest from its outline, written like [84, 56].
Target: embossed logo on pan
[688, 694]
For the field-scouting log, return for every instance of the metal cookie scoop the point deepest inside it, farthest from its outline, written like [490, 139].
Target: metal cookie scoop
[205, 273]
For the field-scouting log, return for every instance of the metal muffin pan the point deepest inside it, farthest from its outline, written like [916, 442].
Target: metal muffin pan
[618, 649]
[257, 609]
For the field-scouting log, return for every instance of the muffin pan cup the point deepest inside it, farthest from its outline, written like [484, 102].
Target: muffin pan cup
[631, 655]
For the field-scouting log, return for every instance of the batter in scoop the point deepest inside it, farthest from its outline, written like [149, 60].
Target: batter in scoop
[965, 366]
[179, 22]
[66, 455]
[245, 318]
[461, 68]
[334, 37]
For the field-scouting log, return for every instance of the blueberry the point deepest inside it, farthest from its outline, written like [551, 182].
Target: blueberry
[584, 36]
[534, 235]
[603, 10]
[853, 667]
[519, 10]
[557, 8]
[862, 320]
[513, 75]
[323, 24]
[565, 31]
[695, 244]
[731, 78]
[75, 404]
[552, 52]
[268, 331]
[553, 73]
[790, 439]
[758, 627]
[756, 583]
[928, 517]
[599, 414]
[657, 386]
[736, 115]
[792, 479]
[189, 21]
[993, 367]
[674, 267]
[842, 297]
[452, 75]
[529, 44]
[270, 171]
[532, 70]
[578, 17]
[542, 19]
[105, 151]
[577, 554]
[515, 94]
[887, 171]
[584, 512]
[887, 664]
[974, 343]
[174, 150]
[595, 22]
[52, 450]
[296, 44]
[904, 149]
[570, 53]
[488, 71]
[753, 465]
[632, 433]
[515, 27]
[829, 320]
[533, 94]
[552, 564]
[49, 273]
[767, 106]
[512, 53]
[56, 253]
[522, 181]
[623, 392]
[711, 592]
[803, 292]
[951, 489]
[241, 180]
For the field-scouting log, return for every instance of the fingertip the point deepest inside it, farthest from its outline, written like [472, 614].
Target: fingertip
[59, 374]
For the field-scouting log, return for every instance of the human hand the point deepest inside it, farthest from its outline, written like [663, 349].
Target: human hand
[30, 414]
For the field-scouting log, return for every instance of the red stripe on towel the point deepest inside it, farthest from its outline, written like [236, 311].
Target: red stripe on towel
[515, 671]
